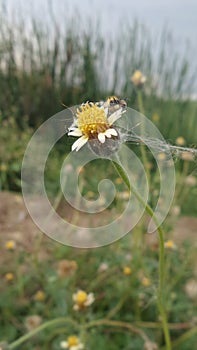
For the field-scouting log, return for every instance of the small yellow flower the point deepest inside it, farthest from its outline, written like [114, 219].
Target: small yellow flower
[155, 117]
[170, 245]
[72, 343]
[180, 141]
[138, 79]
[123, 195]
[9, 276]
[161, 156]
[146, 282]
[149, 165]
[40, 296]
[127, 270]
[118, 181]
[82, 300]
[10, 245]
[3, 167]
[90, 194]
[32, 322]
[66, 268]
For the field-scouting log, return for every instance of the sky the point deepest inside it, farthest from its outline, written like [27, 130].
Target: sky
[180, 16]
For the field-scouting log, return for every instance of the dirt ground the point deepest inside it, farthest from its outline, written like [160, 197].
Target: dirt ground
[16, 224]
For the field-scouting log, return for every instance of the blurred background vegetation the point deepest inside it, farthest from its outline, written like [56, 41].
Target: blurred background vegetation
[43, 66]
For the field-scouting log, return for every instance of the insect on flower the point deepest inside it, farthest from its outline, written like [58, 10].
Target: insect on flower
[95, 123]
[114, 103]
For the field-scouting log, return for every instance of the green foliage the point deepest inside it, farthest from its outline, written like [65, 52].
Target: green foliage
[12, 147]
[118, 297]
[41, 68]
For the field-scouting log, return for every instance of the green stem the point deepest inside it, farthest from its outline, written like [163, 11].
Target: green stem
[45, 325]
[142, 147]
[187, 335]
[160, 289]
[112, 323]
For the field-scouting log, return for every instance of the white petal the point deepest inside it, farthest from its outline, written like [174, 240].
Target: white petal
[90, 299]
[101, 137]
[106, 110]
[74, 296]
[74, 347]
[64, 344]
[75, 132]
[115, 116]
[111, 132]
[75, 307]
[79, 143]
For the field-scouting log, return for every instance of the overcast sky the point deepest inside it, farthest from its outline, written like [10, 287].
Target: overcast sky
[179, 15]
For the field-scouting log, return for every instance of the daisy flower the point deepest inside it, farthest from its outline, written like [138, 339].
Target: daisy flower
[170, 245]
[138, 79]
[82, 300]
[10, 245]
[127, 270]
[9, 276]
[32, 322]
[93, 121]
[72, 343]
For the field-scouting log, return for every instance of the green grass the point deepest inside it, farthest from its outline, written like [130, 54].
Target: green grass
[132, 302]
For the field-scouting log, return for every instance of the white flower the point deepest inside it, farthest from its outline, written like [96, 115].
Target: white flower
[170, 245]
[32, 322]
[82, 300]
[103, 267]
[94, 121]
[191, 289]
[138, 79]
[72, 343]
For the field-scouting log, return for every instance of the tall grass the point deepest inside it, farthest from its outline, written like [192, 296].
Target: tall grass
[42, 65]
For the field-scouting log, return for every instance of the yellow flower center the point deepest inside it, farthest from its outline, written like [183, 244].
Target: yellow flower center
[81, 297]
[127, 270]
[9, 276]
[40, 295]
[92, 120]
[169, 244]
[146, 282]
[10, 245]
[180, 141]
[72, 340]
[137, 74]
